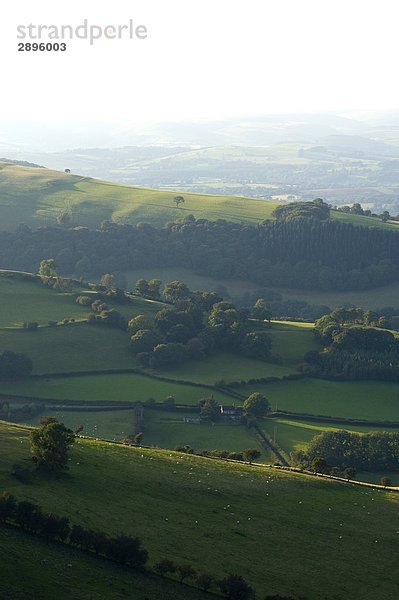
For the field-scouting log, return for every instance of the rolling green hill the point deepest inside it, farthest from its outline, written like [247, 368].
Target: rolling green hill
[37, 197]
[225, 517]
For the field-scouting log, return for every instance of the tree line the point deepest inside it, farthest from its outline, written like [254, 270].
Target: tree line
[306, 253]
[124, 549]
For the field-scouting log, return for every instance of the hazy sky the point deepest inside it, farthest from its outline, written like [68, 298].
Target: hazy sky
[204, 59]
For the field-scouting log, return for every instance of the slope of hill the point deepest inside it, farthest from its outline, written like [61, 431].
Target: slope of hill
[225, 518]
[48, 570]
[38, 197]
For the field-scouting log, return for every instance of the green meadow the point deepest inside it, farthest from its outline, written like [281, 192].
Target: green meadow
[167, 430]
[130, 387]
[78, 347]
[370, 400]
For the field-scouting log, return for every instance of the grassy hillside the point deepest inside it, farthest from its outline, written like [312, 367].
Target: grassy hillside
[225, 517]
[37, 196]
[51, 569]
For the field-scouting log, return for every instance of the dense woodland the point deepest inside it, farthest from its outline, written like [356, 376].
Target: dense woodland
[304, 253]
[357, 346]
[367, 452]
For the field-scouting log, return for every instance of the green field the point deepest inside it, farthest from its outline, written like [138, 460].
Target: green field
[110, 425]
[79, 347]
[26, 299]
[127, 387]
[387, 295]
[372, 400]
[226, 517]
[226, 366]
[72, 575]
[167, 430]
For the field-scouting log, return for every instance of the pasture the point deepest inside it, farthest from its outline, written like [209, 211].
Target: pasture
[167, 430]
[75, 347]
[129, 387]
[371, 400]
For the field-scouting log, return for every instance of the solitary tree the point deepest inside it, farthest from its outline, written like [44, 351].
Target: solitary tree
[261, 311]
[50, 444]
[251, 454]
[179, 200]
[48, 268]
[256, 405]
[108, 280]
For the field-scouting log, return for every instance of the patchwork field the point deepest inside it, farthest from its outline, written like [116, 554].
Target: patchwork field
[79, 347]
[226, 517]
[372, 400]
[111, 388]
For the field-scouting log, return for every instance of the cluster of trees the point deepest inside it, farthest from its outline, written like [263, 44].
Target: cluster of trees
[306, 253]
[357, 209]
[356, 347]
[377, 451]
[341, 319]
[314, 209]
[48, 272]
[124, 549]
[14, 365]
[280, 308]
[101, 313]
[197, 324]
